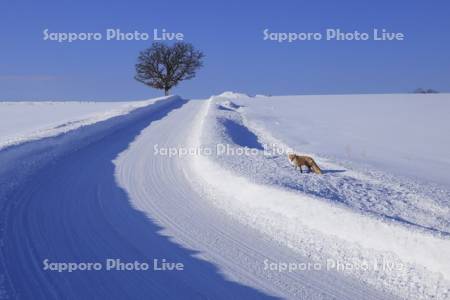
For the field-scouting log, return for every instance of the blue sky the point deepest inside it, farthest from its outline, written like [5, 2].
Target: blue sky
[230, 34]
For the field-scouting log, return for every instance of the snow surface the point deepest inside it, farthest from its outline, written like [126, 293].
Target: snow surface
[403, 133]
[83, 182]
[166, 190]
[98, 192]
[357, 212]
[24, 121]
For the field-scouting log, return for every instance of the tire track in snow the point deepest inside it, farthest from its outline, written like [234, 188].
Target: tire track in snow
[72, 210]
[190, 218]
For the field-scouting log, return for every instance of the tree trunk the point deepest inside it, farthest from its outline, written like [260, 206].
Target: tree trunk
[166, 91]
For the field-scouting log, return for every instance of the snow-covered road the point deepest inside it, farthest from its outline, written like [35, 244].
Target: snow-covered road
[113, 198]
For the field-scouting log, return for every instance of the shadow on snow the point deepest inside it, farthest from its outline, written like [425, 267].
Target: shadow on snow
[72, 210]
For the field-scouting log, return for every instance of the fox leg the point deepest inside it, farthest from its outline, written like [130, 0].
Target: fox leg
[312, 167]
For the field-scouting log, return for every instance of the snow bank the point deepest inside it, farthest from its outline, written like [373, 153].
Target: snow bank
[301, 211]
[233, 95]
[405, 133]
[25, 121]
[20, 160]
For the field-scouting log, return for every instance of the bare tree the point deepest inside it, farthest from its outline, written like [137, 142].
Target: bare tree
[163, 67]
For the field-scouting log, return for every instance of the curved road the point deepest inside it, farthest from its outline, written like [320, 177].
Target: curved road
[114, 198]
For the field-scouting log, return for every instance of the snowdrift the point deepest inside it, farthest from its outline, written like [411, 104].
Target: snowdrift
[28, 153]
[25, 121]
[391, 231]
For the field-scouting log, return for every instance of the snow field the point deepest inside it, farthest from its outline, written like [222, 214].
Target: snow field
[323, 230]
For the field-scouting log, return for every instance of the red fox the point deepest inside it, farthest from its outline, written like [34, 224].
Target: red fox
[299, 161]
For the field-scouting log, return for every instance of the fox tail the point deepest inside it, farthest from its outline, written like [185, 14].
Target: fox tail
[314, 167]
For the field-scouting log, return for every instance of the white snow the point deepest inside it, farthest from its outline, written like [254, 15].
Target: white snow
[233, 95]
[82, 182]
[25, 121]
[357, 212]
[167, 190]
[404, 133]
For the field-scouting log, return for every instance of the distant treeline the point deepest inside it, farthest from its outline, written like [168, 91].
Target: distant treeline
[425, 91]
